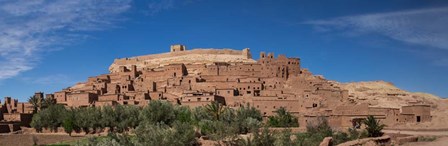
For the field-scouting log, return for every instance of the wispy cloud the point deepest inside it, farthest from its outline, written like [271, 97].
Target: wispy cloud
[155, 6]
[426, 27]
[31, 27]
[55, 79]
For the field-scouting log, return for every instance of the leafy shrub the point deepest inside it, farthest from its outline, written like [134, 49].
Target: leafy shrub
[283, 119]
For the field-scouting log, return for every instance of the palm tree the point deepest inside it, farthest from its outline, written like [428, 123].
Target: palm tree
[49, 101]
[35, 102]
[216, 109]
[373, 126]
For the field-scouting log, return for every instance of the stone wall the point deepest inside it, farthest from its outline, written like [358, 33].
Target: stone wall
[195, 56]
[376, 141]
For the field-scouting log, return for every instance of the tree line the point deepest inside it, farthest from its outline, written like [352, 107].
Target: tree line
[162, 123]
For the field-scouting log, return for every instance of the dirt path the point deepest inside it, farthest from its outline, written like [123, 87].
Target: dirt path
[27, 139]
[443, 141]
[409, 132]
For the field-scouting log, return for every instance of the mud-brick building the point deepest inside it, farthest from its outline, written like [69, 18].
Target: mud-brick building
[14, 114]
[231, 77]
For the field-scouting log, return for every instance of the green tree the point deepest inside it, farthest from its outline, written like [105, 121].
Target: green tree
[69, 122]
[373, 126]
[127, 117]
[158, 112]
[55, 115]
[216, 109]
[200, 113]
[183, 114]
[37, 122]
[109, 118]
[283, 119]
[83, 121]
[50, 117]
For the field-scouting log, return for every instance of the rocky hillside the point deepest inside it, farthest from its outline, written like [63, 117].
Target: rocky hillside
[385, 94]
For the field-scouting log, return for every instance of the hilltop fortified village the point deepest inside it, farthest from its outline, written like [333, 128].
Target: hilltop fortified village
[200, 76]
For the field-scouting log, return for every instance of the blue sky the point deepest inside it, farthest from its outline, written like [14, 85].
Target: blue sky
[49, 45]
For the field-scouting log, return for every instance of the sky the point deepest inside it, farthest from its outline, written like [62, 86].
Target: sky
[48, 45]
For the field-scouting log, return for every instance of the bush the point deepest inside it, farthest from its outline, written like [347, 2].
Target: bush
[316, 132]
[265, 138]
[162, 134]
[320, 127]
[283, 138]
[283, 119]
[247, 118]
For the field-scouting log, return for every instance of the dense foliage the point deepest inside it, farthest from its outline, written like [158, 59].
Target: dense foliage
[161, 123]
[283, 119]
[178, 125]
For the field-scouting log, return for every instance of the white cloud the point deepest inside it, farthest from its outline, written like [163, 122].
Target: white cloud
[55, 79]
[30, 27]
[426, 27]
[155, 6]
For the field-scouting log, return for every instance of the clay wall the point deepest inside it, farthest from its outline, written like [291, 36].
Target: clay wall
[267, 105]
[195, 101]
[421, 113]
[362, 109]
[24, 107]
[110, 97]
[81, 99]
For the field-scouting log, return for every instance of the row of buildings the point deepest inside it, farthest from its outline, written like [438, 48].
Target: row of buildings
[200, 76]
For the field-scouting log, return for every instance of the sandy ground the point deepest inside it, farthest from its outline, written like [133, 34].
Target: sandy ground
[431, 133]
[443, 141]
[27, 139]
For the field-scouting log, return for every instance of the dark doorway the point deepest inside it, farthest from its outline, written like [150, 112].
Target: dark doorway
[418, 119]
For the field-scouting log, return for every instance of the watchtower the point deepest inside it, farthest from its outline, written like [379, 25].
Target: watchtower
[177, 48]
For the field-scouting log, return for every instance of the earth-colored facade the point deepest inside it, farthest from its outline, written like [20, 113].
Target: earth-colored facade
[200, 76]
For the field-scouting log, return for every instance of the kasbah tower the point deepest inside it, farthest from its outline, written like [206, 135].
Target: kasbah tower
[198, 77]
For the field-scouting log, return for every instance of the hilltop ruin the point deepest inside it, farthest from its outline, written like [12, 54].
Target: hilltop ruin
[200, 76]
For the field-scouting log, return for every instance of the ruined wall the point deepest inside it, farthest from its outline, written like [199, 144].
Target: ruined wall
[195, 56]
